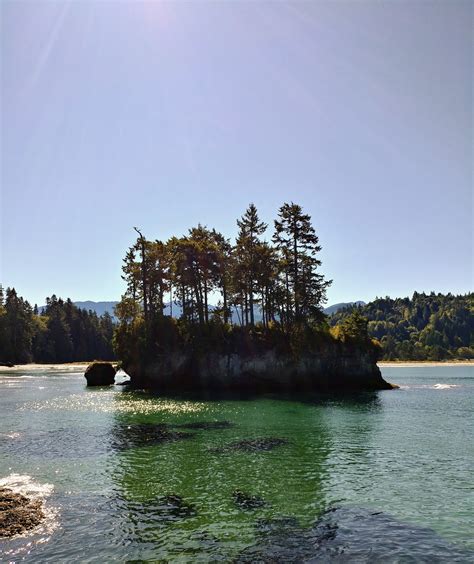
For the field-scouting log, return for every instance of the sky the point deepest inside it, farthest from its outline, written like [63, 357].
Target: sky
[163, 115]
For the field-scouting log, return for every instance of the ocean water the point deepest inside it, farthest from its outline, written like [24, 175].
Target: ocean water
[131, 476]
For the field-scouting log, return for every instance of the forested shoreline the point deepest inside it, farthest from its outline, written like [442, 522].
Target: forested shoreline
[61, 332]
[423, 327]
[246, 295]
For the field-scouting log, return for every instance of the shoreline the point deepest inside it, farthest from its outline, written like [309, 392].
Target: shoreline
[72, 366]
[393, 363]
[75, 366]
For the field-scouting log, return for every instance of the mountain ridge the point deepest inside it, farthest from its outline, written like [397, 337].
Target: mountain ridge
[101, 307]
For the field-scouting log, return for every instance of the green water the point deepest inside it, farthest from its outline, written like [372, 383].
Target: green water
[407, 453]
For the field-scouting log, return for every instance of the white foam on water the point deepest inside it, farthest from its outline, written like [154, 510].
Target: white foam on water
[11, 435]
[25, 485]
[428, 386]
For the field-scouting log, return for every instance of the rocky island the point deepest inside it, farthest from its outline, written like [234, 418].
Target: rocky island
[267, 333]
[266, 373]
[240, 359]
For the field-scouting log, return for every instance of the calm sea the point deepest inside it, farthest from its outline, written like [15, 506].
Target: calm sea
[130, 476]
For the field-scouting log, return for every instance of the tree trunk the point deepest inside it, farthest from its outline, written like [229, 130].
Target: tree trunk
[288, 305]
[183, 300]
[224, 296]
[206, 309]
[295, 273]
[251, 305]
[246, 309]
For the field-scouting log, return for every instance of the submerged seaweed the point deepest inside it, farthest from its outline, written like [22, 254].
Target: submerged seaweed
[149, 517]
[169, 507]
[247, 501]
[143, 434]
[263, 444]
[349, 535]
[206, 425]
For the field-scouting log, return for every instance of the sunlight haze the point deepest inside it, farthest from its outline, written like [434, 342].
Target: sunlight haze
[166, 115]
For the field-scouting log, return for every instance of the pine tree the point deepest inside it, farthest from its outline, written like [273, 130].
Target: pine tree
[299, 246]
[18, 327]
[250, 229]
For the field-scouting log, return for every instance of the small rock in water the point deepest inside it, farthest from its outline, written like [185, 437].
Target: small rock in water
[263, 444]
[18, 513]
[100, 374]
[246, 501]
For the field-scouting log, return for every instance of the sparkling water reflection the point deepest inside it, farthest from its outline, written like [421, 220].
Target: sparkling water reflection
[130, 475]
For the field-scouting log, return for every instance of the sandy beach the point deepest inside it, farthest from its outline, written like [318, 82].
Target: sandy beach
[69, 366]
[79, 366]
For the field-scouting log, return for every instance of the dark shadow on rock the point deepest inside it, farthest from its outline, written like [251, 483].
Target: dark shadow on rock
[247, 501]
[263, 444]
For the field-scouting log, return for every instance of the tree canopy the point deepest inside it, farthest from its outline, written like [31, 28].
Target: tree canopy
[201, 289]
[216, 283]
[423, 327]
[61, 332]
[251, 278]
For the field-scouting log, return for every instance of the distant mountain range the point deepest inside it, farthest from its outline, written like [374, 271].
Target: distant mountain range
[336, 307]
[101, 307]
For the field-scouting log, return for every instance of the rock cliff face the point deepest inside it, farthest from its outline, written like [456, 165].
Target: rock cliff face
[266, 372]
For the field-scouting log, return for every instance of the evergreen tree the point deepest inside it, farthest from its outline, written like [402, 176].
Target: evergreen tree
[298, 244]
[18, 328]
[247, 252]
[425, 327]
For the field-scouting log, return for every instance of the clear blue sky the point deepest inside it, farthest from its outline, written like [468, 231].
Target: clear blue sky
[166, 114]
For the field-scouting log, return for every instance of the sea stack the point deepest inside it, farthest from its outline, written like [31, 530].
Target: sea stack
[100, 374]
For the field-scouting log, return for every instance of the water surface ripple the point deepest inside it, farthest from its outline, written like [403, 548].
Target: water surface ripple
[370, 477]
